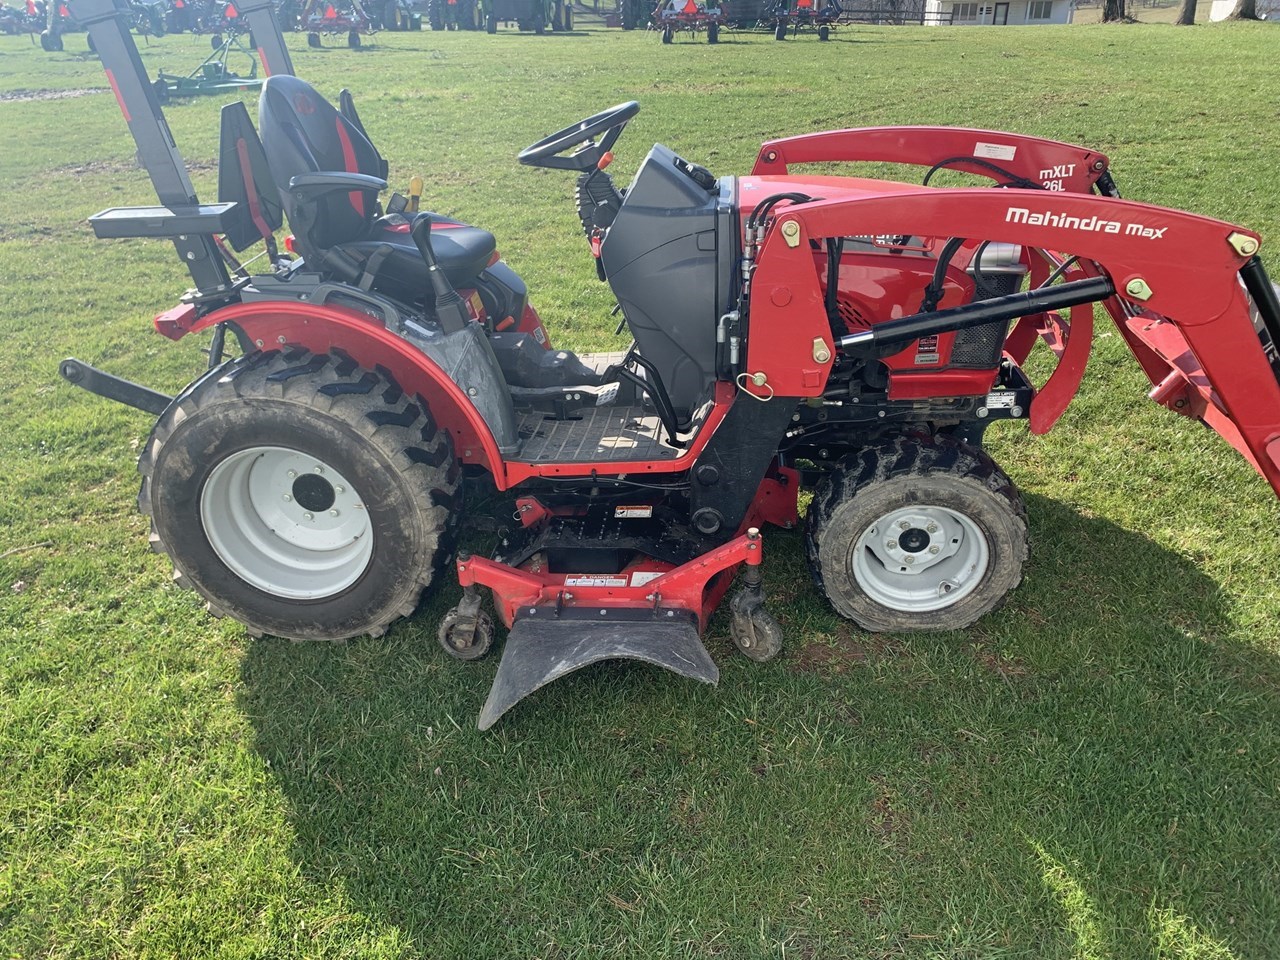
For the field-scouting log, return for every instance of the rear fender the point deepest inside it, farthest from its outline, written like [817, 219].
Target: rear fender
[1053, 165]
[270, 325]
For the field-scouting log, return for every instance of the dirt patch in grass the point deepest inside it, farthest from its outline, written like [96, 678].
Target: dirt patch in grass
[26, 96]
[841, 652]
[886, 822]
[1000, 665]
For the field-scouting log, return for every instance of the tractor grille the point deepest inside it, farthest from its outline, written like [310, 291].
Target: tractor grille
[851, 315]
[979, 347]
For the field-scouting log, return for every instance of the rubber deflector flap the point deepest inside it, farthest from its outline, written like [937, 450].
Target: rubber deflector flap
[538, 651]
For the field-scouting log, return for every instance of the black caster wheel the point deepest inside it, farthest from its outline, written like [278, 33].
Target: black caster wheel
[353, 40]
[460, 639]
[757, 636]
[313, 41]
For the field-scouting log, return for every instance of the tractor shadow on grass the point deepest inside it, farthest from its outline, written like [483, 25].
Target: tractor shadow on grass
[1091, 758]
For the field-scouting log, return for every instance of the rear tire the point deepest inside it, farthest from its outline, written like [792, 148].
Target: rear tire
[916, 534]
[301, 495]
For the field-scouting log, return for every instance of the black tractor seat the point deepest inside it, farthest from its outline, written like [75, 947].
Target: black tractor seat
[303, 134]
[463, 252]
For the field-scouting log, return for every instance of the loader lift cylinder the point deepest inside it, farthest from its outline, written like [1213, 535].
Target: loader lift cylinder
[976, 314]
[1264, 296]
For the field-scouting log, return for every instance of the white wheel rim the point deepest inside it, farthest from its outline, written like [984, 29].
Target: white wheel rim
[920, 558]
[286, 523]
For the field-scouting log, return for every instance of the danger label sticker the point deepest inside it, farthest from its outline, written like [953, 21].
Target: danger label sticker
[597, 581]
[633, 511]
[995, 151]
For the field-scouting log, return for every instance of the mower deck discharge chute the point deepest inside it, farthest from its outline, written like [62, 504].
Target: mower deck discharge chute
[788, 332]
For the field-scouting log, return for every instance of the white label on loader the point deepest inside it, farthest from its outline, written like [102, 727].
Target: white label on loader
[633, 512]
[994, 151]
[1000, 401]
[595, 581]
[641, 577]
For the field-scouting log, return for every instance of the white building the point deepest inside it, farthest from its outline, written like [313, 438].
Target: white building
[988, 13]
[1221, 9]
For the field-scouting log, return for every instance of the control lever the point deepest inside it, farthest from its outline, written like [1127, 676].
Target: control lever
[451, 310]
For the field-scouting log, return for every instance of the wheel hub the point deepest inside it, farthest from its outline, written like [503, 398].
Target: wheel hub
[920, 558]
[313, 492]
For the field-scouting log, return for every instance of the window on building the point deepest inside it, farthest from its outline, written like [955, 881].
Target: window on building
[1040, 10]
[964, 11]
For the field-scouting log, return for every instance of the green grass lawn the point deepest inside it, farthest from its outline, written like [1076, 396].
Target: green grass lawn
[1093, 772]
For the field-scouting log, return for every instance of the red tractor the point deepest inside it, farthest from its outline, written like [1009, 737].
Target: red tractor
[787, 333]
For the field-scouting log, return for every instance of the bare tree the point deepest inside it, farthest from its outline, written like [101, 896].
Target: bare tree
[1113, 10]
[1187, 13]
[1244, 10]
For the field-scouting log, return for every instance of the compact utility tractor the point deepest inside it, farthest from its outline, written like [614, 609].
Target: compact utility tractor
[853, 337]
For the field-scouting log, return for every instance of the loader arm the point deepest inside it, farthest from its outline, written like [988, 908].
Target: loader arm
[1052, 165]
[1180, 301]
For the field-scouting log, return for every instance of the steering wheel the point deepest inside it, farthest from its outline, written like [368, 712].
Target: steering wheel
[546, 152]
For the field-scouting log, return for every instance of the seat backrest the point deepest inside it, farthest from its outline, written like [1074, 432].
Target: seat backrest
[303, 133]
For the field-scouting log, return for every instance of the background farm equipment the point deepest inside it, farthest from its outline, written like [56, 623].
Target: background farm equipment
[806, 17]
[335, 18]
[213, 75]
[528, 15]
[850, 337]
[29, 19]
[689, 16]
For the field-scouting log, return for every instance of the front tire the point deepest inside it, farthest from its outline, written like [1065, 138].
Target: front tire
[916, 534]
[301, 495]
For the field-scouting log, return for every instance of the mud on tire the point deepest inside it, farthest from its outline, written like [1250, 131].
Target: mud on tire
[302, 495]
[900, 500]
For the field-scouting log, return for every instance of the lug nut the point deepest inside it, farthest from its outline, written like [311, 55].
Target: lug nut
[334, 513]
[932, 528]
[339, 489]
[909, 560]
[308, 516]
[287, 498]
[933, 549]
[319, 469]
[891, 544]
[904, 524]
[292, 474]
